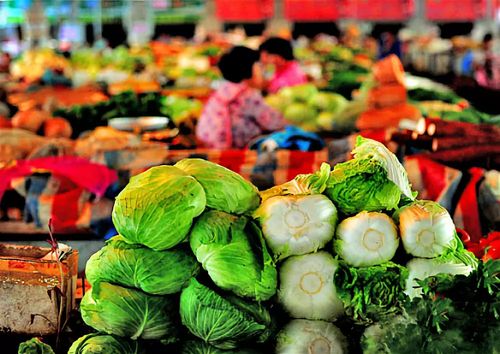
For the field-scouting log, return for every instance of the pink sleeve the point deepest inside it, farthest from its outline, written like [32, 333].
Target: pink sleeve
[211, 129]
[267, 117]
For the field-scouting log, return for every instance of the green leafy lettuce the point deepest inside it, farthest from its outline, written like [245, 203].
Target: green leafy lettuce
[225, 190]
[154, 272]
[373, 181]
[98, 343]
[224, 322]
[234, 253]
[128, 312]
[371, 293]
[200, 347]
[34, 346]
[457, 314]
[303, 184]
[157, 207]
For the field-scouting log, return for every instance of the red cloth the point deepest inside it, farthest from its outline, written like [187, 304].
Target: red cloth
[90, 176]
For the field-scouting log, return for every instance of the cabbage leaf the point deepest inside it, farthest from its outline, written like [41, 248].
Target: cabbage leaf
[154, 272]
[233, 252]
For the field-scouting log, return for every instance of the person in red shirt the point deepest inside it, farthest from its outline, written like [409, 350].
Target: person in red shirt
[278, 53]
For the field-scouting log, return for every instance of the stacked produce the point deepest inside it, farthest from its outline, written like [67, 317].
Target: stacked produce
[313, 110]
[387, 98]
[304, 267]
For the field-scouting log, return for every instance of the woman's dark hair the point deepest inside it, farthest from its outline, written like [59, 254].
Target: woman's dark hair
[237, 64]
[278, 46]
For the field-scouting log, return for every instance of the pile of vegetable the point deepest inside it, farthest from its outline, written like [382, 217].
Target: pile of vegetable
[342, 261]
[313, 110]
[128, 104]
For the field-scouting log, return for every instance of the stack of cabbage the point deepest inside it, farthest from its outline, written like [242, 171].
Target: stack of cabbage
[333, 239]
[137, 277]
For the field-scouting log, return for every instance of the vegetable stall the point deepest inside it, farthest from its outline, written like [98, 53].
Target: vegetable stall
[337, 261]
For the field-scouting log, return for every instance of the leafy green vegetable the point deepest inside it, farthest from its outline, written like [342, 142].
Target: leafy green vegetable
[234, 253]
[225, 190]
[294, 225]
[224, 322]
[371, 293]
[303, 184]
[157, 207]
[427, 229]
[422, 94]
[374, 180]
[422, 268]
[454, 315]
[366, 239]
[128, 312]
[34, 346]
[200, 347]
[98, 343]
[312, 337]
[307, 289]
[154, 272]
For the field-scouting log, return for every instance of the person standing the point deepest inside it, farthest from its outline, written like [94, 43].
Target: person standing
[278, 53]
[236, 112]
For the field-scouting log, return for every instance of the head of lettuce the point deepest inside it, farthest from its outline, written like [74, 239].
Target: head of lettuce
[373, 181]
[158, 206]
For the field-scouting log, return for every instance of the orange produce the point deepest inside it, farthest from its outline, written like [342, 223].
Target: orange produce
[387, 95]
[31, 119]
[389, 70]
[387, 117]
[57, 128]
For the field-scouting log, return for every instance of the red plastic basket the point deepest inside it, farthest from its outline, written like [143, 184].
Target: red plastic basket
[313, 10]
[244, 10]
[381, 10]
[453, 10]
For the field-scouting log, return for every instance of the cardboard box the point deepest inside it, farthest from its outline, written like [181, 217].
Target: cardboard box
[33, 288]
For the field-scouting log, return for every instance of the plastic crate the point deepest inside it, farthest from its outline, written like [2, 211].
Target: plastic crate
[380, 10]
[453, 10]
[244, 10]
[313, 10]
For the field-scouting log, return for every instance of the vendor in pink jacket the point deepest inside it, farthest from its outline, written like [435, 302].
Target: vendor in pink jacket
[278, 52]
[236, 112]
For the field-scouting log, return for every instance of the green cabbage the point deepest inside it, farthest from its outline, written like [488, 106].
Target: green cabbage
[225, 190]
[373, 181]
[128, 312]
[224, 322]
[154, 272]
[99, 343]
[157, 207]
[200, 347]
[311, 337]
[34, 346]
[371, 293]
[234, 253]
